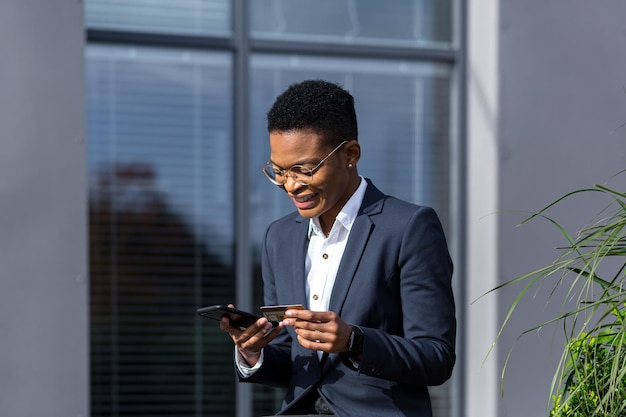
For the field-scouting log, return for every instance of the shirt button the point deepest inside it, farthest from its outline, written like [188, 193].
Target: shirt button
[315, 297]
[325, 256]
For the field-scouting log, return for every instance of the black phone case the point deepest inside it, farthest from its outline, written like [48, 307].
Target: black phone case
[237, 317]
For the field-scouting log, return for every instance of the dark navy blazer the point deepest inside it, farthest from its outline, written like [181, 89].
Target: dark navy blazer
[394, 282]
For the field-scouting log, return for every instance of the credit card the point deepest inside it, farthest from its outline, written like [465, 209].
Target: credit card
[277, 313]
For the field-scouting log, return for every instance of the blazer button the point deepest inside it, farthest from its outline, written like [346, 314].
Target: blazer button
[325, 256]
[315, 297]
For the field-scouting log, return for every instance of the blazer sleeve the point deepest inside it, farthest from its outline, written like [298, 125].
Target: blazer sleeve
[422, 351]
[276, 368]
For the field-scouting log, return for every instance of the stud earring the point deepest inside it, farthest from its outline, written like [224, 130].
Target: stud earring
[349, 165]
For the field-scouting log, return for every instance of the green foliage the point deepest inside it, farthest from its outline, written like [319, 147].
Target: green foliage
[589, 380]
[593, 383]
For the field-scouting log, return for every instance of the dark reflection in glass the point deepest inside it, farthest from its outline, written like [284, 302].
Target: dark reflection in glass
[150, 354]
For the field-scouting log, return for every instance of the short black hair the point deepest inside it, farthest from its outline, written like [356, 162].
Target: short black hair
[322, 106]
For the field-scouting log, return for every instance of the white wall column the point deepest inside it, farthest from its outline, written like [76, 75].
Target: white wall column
[481, 380]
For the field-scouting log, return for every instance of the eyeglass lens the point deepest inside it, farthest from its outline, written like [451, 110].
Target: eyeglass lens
[301, 174]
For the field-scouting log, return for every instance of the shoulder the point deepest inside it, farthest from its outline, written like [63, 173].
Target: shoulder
[400, 218]
[395, 205]
[291, 218]
[400, 213]
[286, 224]
[376, 202]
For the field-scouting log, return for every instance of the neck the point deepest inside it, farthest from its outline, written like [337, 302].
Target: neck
[327, 220]
[326, 230]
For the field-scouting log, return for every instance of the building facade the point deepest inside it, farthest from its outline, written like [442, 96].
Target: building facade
[131, 141]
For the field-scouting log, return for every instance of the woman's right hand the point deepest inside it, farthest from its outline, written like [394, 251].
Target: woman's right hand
[251, 340]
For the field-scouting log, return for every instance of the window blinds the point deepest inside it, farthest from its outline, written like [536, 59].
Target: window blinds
[161, 231]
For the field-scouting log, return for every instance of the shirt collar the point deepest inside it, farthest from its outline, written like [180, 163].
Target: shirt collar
[348, 213]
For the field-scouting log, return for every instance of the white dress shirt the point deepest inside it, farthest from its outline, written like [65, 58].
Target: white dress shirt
[324, 253]
[323, 257]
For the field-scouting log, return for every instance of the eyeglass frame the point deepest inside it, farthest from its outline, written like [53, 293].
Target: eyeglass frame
[287, 173]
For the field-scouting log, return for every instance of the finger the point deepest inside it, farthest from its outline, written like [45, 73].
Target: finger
[259, 340]
[324, 327]
[258, 330]
[315, 344]
[308, 315]
[317, 336]
[232, 330]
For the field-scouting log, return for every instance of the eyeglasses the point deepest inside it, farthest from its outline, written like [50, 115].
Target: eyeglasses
[299, 173]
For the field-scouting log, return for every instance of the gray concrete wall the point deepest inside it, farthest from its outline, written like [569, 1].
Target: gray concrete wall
[562, 72]
[43, 242]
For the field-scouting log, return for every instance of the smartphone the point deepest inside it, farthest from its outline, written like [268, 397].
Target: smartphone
[277, 313]
[237, 317]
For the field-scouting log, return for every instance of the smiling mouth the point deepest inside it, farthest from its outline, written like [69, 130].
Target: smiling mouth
[304, 199]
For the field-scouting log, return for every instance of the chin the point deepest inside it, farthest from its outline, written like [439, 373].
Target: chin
[308, 214]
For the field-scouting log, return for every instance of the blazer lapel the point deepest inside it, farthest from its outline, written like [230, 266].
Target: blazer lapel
[359, 235]
[299, 243]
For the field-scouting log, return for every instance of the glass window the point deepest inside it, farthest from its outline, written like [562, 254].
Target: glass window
[399, 23]
[187, 17]
[403, 111]
[161, 230]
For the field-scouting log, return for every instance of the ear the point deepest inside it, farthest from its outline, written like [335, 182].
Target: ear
[352, 151]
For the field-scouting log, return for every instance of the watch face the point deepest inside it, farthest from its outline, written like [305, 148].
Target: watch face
[356, 341]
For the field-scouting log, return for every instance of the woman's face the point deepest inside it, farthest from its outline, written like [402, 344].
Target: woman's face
[333, 183]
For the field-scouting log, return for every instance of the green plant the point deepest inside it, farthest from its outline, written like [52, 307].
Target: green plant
[591, 272]
[589, 388]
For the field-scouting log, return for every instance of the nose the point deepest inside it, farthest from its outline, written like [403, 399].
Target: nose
[291, 185]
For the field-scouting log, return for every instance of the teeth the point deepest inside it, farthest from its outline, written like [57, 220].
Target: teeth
[303, 199]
